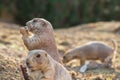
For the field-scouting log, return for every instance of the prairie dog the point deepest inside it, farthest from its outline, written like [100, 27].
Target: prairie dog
[41, 66]
[42, 38]
[94, 50]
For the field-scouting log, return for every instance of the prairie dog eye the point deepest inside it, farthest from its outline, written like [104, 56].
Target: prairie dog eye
[35, 20]
[38, 56]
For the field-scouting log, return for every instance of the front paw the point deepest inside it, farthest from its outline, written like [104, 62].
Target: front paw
[23, 31]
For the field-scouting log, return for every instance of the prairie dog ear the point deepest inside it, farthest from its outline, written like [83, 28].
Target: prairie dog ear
[43, 23]
[46, 54]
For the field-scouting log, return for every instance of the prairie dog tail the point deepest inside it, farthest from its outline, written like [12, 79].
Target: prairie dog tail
[115, 51]
[114, 44]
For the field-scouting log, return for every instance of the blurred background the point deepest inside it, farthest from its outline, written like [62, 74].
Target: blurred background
[90, 20]
[61, 13]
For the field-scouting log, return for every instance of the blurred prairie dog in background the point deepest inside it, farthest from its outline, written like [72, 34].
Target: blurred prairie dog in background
[42, 38]
[41, 66]
[94, 50]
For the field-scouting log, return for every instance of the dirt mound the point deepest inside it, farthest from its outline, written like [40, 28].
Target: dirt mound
[9, 70]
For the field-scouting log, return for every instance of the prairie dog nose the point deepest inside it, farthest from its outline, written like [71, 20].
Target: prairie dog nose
[27, 63]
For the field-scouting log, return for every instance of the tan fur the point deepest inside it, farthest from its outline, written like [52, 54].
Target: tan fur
[91, 51]
[42, 37]
[41, 66]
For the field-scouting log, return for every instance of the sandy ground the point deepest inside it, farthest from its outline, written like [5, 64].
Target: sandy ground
[13, 51]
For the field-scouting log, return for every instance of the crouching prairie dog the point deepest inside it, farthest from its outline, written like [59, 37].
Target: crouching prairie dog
[41, 66]
[42, 37]
[92, 51]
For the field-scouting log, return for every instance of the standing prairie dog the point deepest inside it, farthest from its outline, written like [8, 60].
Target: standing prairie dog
[42, 38]
[92, 51]
[41, 66]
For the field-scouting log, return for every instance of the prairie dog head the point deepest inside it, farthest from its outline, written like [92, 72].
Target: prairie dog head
[37, 59]
[72, 54]
[38, 25]
[68, 56]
